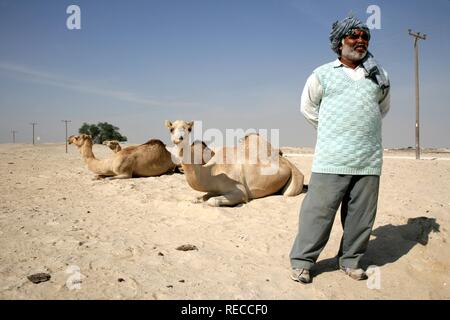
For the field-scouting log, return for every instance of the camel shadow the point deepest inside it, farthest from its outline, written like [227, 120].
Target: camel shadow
[391, 243]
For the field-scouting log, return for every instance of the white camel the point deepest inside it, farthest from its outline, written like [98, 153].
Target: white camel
[234, 175]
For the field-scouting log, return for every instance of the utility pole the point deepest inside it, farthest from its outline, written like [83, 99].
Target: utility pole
[417, 36]
[33, 124]
[66, 121]
[14, 135]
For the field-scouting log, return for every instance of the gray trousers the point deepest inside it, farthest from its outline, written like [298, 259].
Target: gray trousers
[358, 196]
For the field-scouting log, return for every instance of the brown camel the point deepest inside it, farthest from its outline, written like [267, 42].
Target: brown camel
[145, 160]
[236, 175]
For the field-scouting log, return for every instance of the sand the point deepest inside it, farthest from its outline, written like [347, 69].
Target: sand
[118, 239]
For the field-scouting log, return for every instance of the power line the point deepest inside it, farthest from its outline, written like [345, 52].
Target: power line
[14, 135]
[66, 121]
[417, 36]
[33, 124]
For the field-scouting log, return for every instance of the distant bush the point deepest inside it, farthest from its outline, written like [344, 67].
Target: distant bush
[101, 132]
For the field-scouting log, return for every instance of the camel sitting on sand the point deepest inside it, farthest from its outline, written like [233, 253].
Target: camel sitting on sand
[114, 145]
[145, 160]
[238, 174]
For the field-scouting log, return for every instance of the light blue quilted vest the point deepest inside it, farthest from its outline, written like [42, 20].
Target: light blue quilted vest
[349, 130]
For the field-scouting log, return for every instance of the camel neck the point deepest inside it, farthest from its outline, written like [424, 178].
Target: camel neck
[86, 151]
[180, 149]
[196, 175]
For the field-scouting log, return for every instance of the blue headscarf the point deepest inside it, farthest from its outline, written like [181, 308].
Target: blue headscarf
[341, 29]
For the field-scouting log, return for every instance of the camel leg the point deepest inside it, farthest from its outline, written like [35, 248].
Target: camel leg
[120, 176]
[179, 169]
[99, 177]
[228, 199]
[203, 198]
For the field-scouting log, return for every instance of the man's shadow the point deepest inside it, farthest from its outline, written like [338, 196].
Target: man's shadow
[391, 243]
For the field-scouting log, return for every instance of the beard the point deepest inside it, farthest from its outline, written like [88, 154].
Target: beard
[351, 54]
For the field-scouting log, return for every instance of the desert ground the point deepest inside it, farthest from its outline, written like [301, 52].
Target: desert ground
[118, 239]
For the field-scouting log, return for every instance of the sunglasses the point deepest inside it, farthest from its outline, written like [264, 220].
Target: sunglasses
[356, 35]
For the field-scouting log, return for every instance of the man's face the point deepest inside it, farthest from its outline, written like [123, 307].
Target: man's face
[354, 46]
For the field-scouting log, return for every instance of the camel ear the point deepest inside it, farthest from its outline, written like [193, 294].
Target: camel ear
[168, 124]
[85, 136]
[190, 124]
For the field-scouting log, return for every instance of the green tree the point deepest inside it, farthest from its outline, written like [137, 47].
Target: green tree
[101, 132]
[90, 129]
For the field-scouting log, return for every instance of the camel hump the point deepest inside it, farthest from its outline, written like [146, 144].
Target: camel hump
[255, 144]
[155, 142]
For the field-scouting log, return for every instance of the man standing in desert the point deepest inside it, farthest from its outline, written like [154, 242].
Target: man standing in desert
[345, 100]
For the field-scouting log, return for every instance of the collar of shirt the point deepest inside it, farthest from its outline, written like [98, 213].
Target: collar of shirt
[337, 63]
[356, 74]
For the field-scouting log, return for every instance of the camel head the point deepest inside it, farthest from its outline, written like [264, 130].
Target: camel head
[80, 140]
[200, 153]
[179, 131]
[112, 144]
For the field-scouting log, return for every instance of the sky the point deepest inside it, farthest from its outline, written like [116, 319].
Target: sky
[232, 64]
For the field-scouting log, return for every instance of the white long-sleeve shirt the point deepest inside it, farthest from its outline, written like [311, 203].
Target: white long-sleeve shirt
[313, 92]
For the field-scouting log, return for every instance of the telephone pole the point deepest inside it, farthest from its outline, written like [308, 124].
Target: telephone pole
[33, 124]
[66, 121]
[14, 135]
[417, 36]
